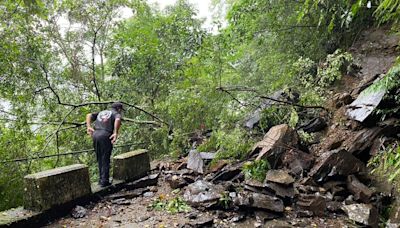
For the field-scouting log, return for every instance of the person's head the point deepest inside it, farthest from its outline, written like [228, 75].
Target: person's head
[118, 106]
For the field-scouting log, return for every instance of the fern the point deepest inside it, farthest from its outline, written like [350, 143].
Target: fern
[388, 10]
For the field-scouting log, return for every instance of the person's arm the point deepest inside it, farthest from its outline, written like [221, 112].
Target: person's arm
[89, 128]
[117, 125]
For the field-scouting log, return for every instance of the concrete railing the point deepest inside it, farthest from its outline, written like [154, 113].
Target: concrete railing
[55, 187]
[131, 165]
[65, 185]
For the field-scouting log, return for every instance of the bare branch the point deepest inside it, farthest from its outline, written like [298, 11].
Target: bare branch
[8, 113]
[48, 83]
[246, 89]
[294, 104]
[140, 121]
[94, 66]
[233, 97]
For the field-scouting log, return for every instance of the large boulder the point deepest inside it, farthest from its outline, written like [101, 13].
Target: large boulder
[336, 163]
[278, 140]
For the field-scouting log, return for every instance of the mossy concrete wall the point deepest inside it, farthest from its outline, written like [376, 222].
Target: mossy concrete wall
[132, 165]
[54, 187]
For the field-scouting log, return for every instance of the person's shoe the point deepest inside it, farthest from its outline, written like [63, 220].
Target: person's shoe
[105, 184]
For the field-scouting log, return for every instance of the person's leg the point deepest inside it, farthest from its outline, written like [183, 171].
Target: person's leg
[106, 161]
[105, 147]
[97, 149]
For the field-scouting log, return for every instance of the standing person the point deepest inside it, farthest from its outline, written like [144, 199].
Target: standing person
[104, 135]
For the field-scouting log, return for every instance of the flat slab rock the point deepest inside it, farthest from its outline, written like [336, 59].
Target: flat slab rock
[365, 103]
[281, 190]
[313, 203]
[336, 162]
[228, 172]
[201, 193]
[279, 176]
[270, 147]
[260, 201]
[195, 161]
[359, 190]
[362, 213]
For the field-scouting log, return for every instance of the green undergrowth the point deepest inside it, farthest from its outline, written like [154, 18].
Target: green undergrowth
[256, 170]
[386, 164]
[391, 84]
[173, 205]
[231, 145]
[315, 77]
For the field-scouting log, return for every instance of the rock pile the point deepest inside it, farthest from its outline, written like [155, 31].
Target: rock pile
[298, 183]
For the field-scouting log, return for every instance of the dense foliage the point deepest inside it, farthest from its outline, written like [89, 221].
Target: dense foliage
[62, 59]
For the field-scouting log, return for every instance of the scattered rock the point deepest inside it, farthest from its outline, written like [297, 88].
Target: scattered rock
[314, 125]
[362, 140]
[365, 103]
[192, 215]
[254, 118]
[341, 99]
[128, 194]
[146, 181]
[257, 200]
[121, 201]
[314, 203]
[365, 138]
[175, 181]
[254, 183]
[143, 218]
[78, 212]
[202, 222]
[334, 206]
[358, 189]
[228, 173]
[148, 194]
[195, 161]
[334, 144]
[365, 214]
[281, 190]
[271, 148]
[277, 224]
[336, 162]
[207, 155]
[335, 187]
[279, 176]
[238, 218]
[218, 166]
[203, 193]
[297, 161]
[263, 216]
